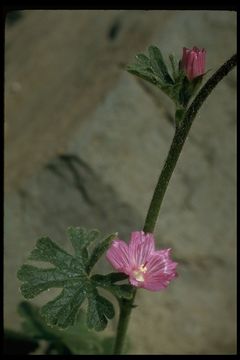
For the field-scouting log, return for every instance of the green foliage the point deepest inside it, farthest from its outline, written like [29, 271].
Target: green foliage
[76, 339]
[71, 273]
[188, 89]
[158, 64]
[154, 70]
[107, 282]
[179, 114]
[174, 66]
[34, 326]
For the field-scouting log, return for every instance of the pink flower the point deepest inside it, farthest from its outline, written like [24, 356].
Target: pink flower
[147, 268]
[193, 62]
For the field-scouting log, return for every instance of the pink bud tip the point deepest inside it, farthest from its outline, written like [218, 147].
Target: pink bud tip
[193, 62]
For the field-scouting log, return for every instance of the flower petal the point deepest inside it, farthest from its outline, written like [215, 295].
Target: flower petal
[156, 283]
[160, 271]
[160, 262]
[134, 282]
[118, 256]
[141, 246]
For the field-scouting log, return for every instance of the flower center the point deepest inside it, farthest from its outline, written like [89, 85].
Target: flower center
[138, 273]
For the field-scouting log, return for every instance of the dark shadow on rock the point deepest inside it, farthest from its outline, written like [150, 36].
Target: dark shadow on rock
[69, 193]
[114, 30]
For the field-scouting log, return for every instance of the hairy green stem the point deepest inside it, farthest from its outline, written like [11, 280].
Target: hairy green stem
[179, 138]
[125, 311]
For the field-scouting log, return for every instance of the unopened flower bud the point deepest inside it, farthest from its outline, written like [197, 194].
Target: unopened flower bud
[193, 62]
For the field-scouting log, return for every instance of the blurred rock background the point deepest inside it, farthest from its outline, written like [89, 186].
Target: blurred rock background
[84, 144]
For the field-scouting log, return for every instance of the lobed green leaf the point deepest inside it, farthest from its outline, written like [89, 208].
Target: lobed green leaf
[158, 64]
[81, 239]
[71, 273]
[143, 60]
[99, 310]
[98, 251]
[38, 280]
[154, 70]
[143, 73]
[107, 282]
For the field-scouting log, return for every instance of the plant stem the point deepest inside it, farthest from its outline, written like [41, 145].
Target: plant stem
[125, 311]
[179, 138]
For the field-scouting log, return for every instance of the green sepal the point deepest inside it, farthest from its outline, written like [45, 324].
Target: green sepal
[188, 89]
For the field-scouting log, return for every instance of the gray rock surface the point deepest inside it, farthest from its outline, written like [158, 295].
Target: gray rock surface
[84, 145]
